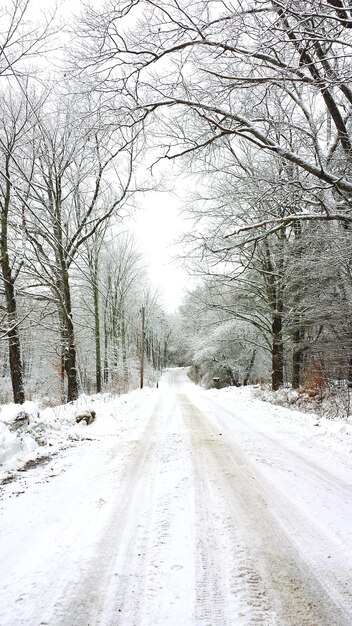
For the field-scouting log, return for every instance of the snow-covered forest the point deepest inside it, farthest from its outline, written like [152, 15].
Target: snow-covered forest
[146, 477]
[260, 101]
[248, 106]
[73, 282]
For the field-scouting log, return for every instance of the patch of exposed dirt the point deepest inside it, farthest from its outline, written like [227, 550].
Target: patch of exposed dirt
[8, 479]
[40, 460]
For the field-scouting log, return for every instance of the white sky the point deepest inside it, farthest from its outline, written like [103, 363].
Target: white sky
[156, 227]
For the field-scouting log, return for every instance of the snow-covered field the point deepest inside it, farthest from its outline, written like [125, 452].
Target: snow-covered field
[176, 507]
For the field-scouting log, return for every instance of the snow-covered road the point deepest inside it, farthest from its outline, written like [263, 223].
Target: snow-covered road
[195, 513]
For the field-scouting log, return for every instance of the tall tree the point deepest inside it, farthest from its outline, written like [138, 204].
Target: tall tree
[17, 124]
[82, 178]
[20, 41]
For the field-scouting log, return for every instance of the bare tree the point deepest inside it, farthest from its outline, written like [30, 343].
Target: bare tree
[82, 178]
[265, 79]
[211, 70]
[17, 119]
[22, 39]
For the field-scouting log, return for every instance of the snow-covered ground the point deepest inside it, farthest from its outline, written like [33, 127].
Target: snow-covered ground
[176, 507]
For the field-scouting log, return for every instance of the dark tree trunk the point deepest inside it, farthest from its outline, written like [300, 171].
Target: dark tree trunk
[349, 379]
[116, 343]
[277, 376]
[71, 365]
[15, 357]
[298, 333]
[276, 303]
[296, 369]
[106, 361]
[297, 359]
[70, 347]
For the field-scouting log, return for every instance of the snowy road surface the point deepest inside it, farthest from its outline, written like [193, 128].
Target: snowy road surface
[194, 513]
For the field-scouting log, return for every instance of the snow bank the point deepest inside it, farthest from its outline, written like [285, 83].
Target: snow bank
[310, 428]
[17, 432]
[27, 433]
[43, 433]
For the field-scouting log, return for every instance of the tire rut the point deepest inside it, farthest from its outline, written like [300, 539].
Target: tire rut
[280, 582]
[108, 591]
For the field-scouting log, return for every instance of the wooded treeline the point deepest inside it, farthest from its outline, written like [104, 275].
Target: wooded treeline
[73, 284]
[253, 101]
[254, 98]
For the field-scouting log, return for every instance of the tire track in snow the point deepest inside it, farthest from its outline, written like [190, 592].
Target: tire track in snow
[209, 588]
[333, 481]
[249, 569]
[109, 592]
[229, 589]
[322, 545]
[141, 573]
[280, 575]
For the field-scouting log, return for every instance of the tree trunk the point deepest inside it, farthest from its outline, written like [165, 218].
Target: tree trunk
[70, 347]
[106, 360]
[277, 376]
[349, 379]
[15, 357]
[70, 364]
[275, 299]
[297, 358]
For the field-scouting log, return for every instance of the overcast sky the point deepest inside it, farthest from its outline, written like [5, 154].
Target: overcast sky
[156, 227]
